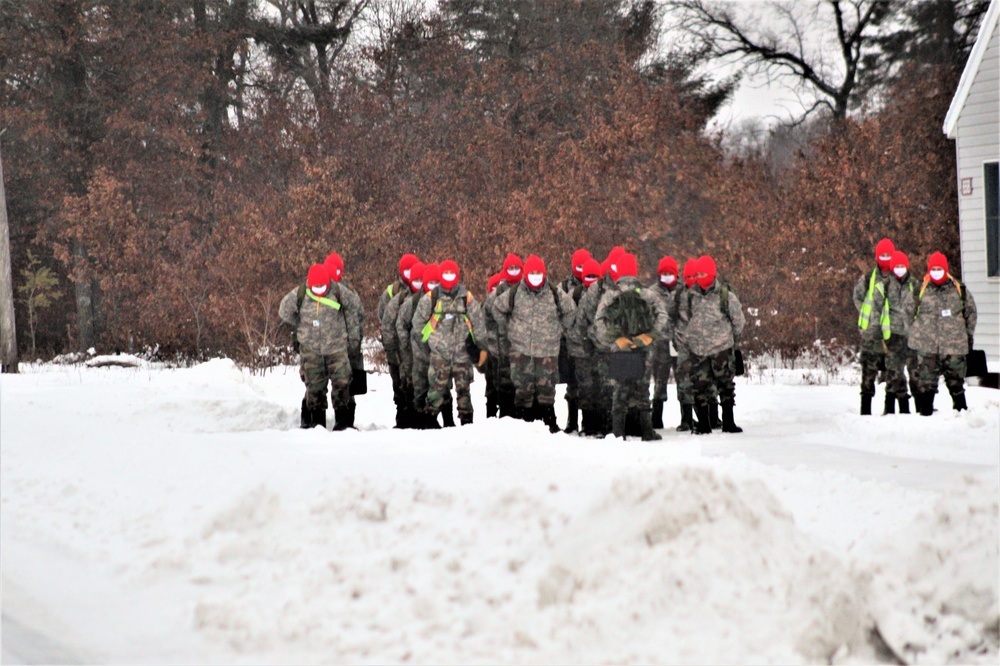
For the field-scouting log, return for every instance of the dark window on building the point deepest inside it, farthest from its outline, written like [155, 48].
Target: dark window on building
[991, 171]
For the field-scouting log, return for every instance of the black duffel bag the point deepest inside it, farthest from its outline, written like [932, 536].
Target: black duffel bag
[626, 366]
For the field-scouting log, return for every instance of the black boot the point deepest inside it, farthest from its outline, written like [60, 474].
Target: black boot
[657, 415]
[465, 419]
[306, 416]
[648, 433]
[572, 422]
[491, 408]
[866, 405]
[447, 416]
[633, 424]
[350, 411]
[925, 405]
[904, 404]
[713, 413]
[342, 418]
[618, 424]
[890, 404]
[588, 423]
[506, 404]
[958, 401]
[319, 417]
[728, 424]
[430, 421]
[703, 426]
[687, 418]
[548, 414]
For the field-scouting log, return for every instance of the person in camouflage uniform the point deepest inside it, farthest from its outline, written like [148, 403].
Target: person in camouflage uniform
[327, 324]
[390, 342]
[944, 323]
[685, 363]
[582, 350]
[897, 351]
[450, 320]
[712, 319]
[572, 286]
[420, 353]
[492, 348]
[392, 324]
[335, 265]
[536, 316]
[873, 320]
[596, 390]
[630, 317]
[666, 289]
[512, 273]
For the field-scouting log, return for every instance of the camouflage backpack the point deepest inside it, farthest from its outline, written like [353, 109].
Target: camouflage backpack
[629, 315]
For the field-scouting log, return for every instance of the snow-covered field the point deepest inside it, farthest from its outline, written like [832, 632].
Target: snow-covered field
[156, 515]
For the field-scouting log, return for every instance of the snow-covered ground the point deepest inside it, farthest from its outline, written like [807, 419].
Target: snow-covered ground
[155, 515]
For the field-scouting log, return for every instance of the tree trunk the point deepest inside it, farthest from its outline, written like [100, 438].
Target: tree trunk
[8, 331]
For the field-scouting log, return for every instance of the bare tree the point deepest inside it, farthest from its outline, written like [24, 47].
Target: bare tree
[815, 48]
[8, 332]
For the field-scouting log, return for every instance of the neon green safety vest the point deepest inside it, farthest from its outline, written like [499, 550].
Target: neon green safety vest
[866, 307]
[436, 317]
[325, 301]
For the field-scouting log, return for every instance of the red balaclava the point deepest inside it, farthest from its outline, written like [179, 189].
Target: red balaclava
[511, 262]
[937, 265]
[591, 272]
[335, 265]
[534, 264]
[612, 260]
[495, 280]
[449, 274]
[900, 264]
[668, 271]
[416, 277]
[706, 265]
[884, 248]
[432, 273]
[579, 257]
[318, 279]
[627, 265]
[690, 268]
[405, 264]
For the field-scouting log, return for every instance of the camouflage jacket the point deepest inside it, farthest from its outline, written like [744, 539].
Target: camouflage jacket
[874, 330]
[492, 327]
[446, 318]
[667, 295]
[940, 324]
[701, 322]
[388, 294]
[586, 311]
[326, 327]
[387, 320]
[605, 334]
[404, 324]
[574, 345]
[896, 292]
[536, 318]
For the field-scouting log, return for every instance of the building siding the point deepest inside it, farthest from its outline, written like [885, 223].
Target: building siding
[977, 140]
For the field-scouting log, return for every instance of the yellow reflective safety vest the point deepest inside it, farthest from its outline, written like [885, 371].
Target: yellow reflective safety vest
[864, 319]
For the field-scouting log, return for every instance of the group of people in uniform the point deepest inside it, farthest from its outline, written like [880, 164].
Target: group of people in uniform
[607, 337]
[920, 328]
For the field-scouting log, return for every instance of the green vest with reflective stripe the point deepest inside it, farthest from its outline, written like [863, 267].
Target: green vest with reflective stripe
[864, 318]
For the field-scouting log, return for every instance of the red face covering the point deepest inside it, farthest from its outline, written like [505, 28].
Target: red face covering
[706, 265]
[884, 248]
[406, 263]
[591, 272]
[335, 265]
[432, 273]
[627, 267]
[579, 257]
[690, 268]
[512, 261]
[534, 264]
[449, 266]
[937, 261]
[416, 275]
[319, 278]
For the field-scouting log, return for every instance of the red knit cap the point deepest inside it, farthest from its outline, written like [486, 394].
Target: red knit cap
[432, 273]
[416, 275]
[495, 280]
[512, 260]
[667, 266]
[706, 265]
[899, 258]
[690, 268]
[592, 272]
[884, 246]
[627, 266]
[534, 264]
[318, 276]
[579, 257]
[449, 266]
[405, 263]
[335, 265]
[938, 260]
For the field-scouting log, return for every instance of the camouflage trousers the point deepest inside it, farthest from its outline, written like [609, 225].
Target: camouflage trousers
[587, 382]
[872, 360]
[441, 372]
[684, 376]
[317, 371]
[534, 379]
[421, 366]
[930, 367]
[633, 395]
[492, 379]
[662, 365]
[899, 360]
[715, 373]
[398, 385]
[505, 384]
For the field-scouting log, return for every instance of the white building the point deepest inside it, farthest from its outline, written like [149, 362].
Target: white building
[973, 122]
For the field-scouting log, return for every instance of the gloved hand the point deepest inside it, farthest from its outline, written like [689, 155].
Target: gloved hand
[642, 340]
[624, 343]
[482, 358]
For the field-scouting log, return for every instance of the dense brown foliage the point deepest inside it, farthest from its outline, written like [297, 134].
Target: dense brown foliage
[186, 161]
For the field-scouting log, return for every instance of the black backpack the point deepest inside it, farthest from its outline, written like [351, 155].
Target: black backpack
[629, 315]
